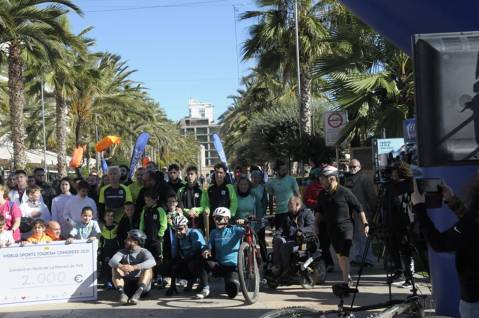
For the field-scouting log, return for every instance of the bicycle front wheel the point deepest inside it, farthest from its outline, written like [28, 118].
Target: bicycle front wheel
[248, 273]
[295, 312]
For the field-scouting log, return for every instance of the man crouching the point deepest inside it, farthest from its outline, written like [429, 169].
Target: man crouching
[132, 269]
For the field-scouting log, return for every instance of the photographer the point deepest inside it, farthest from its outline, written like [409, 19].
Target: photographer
[461, 238]
[398, 220]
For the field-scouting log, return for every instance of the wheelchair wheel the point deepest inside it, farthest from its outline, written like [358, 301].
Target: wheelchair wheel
[319, 274]
[248, 273]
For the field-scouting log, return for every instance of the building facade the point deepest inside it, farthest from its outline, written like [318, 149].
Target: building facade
[200, 124]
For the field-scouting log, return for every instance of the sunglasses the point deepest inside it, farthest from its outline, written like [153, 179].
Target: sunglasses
[180, 229]
[218, 218]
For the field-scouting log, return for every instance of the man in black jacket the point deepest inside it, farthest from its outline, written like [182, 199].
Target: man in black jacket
[152, 180]
[362, 186]
[298, 225]
[189, 199]
[461, 238]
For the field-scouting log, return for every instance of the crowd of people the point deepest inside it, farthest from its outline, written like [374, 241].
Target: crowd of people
[159, 226]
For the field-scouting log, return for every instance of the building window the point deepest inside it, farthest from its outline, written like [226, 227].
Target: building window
[202, 113]
[190, 131]
[202, 131]
[202, 138]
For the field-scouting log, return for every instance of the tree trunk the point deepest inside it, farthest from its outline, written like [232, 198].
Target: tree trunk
[80, 125]
[305, 111]
[17, 103]
[61, 132]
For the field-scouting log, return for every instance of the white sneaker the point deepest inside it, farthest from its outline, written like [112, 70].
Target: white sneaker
[205, 292]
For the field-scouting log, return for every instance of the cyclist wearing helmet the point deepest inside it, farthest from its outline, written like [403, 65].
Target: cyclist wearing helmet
[188, 262]
[132, 268]
[221, 253]
[336, 204]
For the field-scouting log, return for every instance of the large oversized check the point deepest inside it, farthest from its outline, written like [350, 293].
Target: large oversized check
[48, 273]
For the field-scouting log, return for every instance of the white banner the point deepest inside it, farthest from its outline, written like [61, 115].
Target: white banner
[48, 273]
[334, 122]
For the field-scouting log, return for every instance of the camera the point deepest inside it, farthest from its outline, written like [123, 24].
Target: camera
[433, 191]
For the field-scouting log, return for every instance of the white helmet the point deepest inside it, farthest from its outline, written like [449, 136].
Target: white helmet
[221, 211]
[328, 171]
[179, 221]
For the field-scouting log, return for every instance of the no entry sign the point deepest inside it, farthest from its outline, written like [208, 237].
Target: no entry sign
[334, 124]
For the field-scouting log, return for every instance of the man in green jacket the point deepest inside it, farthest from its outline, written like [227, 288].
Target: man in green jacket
[220, 194]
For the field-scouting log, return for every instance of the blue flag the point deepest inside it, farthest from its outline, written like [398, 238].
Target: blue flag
[219, 148]
[104, 166]
[138, 151]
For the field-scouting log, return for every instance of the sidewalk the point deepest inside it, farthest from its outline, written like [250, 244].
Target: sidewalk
[373, 289]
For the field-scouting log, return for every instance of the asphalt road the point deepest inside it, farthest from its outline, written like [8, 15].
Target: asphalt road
[373, 289]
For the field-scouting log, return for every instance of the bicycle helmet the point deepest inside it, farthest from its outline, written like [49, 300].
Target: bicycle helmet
[179, 221]
[138, 236]
[221, 211]
[329, 171]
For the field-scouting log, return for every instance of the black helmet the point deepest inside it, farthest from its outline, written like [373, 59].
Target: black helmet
[138, 236]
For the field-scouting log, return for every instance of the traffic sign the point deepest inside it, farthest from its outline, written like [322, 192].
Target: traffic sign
[334, 124]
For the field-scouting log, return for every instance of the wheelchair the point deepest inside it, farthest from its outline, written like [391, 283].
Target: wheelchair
[306, 268]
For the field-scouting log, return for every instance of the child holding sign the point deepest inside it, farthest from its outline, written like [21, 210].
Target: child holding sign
[87, 229]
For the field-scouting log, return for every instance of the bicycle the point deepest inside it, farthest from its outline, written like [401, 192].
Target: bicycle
[411, 307]
[248, 269]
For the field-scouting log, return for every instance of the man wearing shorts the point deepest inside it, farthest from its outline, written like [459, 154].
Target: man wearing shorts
[336, 204]
[132, 269]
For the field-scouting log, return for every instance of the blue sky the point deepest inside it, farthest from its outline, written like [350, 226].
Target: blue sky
[181, 48]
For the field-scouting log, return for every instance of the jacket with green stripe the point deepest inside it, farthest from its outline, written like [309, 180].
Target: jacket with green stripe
[221, 196]
[196, 201]
[153, 222]
[109, 238]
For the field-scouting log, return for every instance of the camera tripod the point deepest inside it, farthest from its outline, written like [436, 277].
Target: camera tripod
[382, 227]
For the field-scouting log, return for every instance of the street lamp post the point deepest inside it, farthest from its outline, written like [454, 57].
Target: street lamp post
[45, 166]
[297, 59]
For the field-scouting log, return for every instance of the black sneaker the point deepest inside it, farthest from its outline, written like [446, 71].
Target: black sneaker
[231, 290]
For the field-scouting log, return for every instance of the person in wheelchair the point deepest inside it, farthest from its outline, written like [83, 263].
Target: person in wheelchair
[297, 228]
[221, 254]
[187, 263]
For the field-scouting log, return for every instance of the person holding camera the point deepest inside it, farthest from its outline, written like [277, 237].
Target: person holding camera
[461, 238]
[398, 221]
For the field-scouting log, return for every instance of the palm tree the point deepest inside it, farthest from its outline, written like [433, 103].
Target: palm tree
[272, 42]
[102, 86]
[366, 76]
[29, 26]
